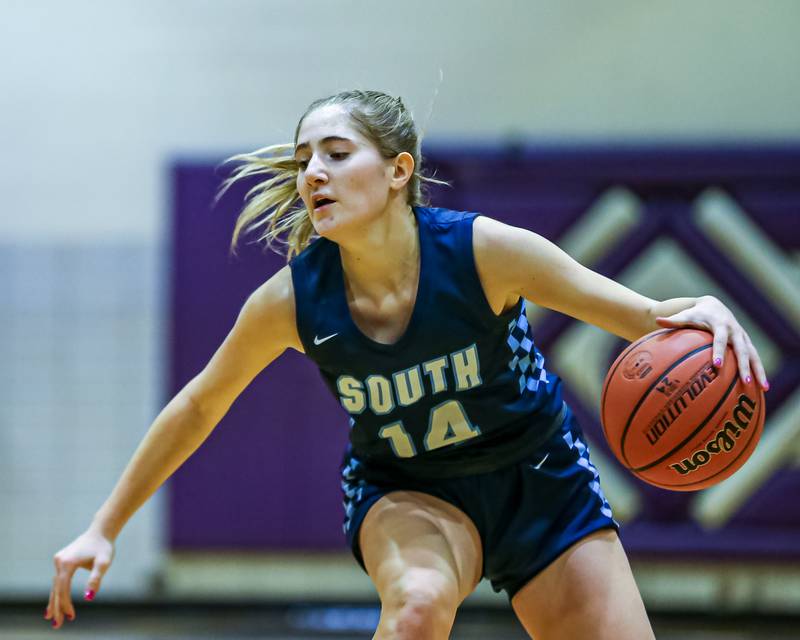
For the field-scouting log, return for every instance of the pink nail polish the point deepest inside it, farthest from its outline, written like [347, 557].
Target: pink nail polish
[55, 624]
[748, 380]
[89, 595]
[717, 362]
[766, 385]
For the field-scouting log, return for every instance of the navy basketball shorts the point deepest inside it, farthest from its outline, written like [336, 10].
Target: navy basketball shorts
[527, 514]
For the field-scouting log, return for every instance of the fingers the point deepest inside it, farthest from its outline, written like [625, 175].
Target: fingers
[54, 610]
[665, 322]
[747, 359]
[710, 314]
[48, 612]
[89, 551]
[99, 569]
[719, 345]
[742, 354]
[61, 600]
[682, 319]
[757, 366]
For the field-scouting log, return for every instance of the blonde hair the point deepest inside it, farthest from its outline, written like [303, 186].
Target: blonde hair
[273, 206]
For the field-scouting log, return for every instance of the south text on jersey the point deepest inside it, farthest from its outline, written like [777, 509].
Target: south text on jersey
[457, 371]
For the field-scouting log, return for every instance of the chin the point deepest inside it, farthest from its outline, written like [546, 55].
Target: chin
[327, 227]
[344, 226]
[336, 227]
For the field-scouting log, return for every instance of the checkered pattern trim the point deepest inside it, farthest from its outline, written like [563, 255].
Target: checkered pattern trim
[525, 360]
[353, 489]
[577, 445]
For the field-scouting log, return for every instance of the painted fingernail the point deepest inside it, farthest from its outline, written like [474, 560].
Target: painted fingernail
[717, 362]
[766, 385]
[748, 380]
[55, 624]
[89, 595]
[70, 617]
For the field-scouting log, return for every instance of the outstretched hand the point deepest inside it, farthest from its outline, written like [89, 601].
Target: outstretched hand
[710, 314]
[91, 551]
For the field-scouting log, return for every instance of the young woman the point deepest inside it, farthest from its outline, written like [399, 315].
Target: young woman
[464, 462]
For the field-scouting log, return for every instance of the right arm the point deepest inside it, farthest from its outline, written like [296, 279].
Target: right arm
[264, 329]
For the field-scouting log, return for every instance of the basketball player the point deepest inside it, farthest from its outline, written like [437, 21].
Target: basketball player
[463, 461]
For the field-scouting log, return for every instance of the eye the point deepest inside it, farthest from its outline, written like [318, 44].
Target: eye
[302, 163]
[339, 155]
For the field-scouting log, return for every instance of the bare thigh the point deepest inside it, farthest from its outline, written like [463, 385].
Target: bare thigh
[588, 592]
[424, 556]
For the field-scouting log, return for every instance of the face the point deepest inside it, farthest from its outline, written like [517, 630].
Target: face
[342, 178]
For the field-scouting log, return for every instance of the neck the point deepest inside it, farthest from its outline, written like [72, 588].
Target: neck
[385, 255]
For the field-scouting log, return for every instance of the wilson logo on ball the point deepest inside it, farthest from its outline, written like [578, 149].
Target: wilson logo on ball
[724, 440]
[672, 418]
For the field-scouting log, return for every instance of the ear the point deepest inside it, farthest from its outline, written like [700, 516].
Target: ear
[402, 169]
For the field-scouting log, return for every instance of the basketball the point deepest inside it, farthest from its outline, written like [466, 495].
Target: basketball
[672, 418]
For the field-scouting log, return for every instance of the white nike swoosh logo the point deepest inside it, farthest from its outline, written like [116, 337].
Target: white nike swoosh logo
[539, 466]
[318, 341]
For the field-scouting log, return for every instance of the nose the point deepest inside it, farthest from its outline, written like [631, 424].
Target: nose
[315, 171]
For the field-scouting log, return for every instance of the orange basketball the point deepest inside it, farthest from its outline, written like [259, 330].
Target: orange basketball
[675, 420]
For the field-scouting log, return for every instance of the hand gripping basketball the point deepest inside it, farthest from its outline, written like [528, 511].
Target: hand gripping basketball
[710, 314]
[673, 418]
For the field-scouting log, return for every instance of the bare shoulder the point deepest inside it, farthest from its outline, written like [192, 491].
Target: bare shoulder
[498, 248]
[510, 259]
[493, 238]
[269, 311]
[525, 261]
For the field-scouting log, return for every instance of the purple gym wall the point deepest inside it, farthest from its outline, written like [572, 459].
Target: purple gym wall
[267, 478]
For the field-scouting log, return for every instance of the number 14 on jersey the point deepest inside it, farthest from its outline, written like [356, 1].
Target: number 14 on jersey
[448, 424]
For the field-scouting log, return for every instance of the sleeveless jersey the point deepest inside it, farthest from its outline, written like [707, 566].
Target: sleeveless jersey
[462, 391]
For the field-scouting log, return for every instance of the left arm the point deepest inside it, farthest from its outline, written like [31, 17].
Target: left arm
[515, 262]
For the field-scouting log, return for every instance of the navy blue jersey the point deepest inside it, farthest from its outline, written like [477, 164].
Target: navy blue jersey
[462, 391]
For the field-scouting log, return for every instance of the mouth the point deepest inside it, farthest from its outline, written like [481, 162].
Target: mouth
[322, 203]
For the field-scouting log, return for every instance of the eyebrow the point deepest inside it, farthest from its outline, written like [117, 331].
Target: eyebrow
[304, 145]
